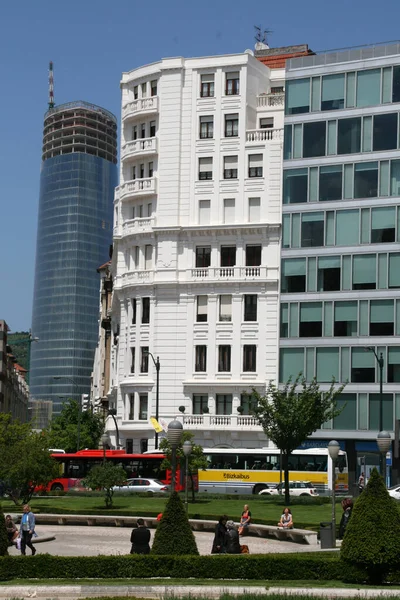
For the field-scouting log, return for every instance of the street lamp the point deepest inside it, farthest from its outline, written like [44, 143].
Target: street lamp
[29, 340]
[187, 451]
[78, 432]
[333, 449]
[381, 362]
[111, 413]
[384, 442]
[104, 443]
[156, 362]
[174, 434]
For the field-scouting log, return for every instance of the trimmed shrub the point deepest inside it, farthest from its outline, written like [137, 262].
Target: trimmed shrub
[371, 543]
[3, 535]
[174, 535]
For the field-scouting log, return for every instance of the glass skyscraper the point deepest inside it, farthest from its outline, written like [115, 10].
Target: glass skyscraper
[78, 177]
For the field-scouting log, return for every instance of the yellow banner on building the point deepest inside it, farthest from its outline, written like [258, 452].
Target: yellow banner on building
[156, 425]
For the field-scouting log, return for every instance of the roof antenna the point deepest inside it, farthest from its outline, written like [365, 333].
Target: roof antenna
[51, 85]
[261, 38]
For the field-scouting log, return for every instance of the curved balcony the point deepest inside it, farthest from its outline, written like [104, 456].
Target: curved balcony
[142, 147]
[134, 226]
[133, 278]
[137, 187]
[140, 107]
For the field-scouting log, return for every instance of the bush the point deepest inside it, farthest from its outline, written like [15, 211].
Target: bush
[174, 535]
[3, 535]
[371, 544]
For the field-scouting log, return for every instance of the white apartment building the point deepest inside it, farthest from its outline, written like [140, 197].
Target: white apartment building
[197, 226]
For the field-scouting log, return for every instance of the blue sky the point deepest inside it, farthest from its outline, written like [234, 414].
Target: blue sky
[91, 42]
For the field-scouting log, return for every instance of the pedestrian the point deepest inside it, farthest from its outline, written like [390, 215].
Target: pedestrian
[219, 543]
[140, 538]
[245, 520]
[27, 530]
[361, 482]
[232, 539]
[12, 531]
[347, 505]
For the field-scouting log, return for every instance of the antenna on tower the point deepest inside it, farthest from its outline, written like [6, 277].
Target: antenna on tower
[261, 37]
[51, 85]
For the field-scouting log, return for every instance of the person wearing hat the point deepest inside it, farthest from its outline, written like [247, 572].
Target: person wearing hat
[232, 539]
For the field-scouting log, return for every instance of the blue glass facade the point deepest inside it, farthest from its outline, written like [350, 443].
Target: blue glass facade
[74, 235]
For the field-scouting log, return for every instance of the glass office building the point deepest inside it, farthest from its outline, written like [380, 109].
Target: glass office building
[340, 277]
[78, 177]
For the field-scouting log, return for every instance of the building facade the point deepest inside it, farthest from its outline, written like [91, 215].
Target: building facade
[77, 181]
[340, 277]
[14, 390]
[197, 224]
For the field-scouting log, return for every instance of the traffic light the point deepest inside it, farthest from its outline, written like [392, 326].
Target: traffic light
[85, 402]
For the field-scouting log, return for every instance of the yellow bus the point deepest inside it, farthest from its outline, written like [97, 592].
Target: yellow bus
[248, 471]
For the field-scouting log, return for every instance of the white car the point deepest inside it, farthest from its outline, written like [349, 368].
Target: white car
[296, 488]
[142, 484]
[394, 492]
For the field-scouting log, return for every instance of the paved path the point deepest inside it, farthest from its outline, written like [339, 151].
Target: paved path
[76, 540]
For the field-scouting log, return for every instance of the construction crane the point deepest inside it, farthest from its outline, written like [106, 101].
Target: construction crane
[51, 85]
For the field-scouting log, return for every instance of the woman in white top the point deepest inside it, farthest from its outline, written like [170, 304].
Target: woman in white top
[286, 519]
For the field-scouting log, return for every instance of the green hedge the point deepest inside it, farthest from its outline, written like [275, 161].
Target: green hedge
[282, 567]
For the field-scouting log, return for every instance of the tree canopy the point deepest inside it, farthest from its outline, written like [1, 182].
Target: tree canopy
[105, 477]
[63, 429]
[290, 415]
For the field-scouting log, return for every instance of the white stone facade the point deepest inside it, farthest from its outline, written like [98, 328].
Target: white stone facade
[197, 226]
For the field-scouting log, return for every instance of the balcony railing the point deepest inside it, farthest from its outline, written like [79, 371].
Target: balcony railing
[140, 187]
[139, 147]
[137, 225]
[140, 106]
[133, 278]
[263, 135]
[226, 273]
[271, 100]
[220, 421]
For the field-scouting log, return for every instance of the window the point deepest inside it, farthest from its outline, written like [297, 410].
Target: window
[225, 307]
[150, 169]
[396, 84]
[152, 128]
[327, 364]
[332, 92]
[143, 130]
[206, 127]
[224, 358]
[132, 370]
[310, 319]
[349, 135]
[291, 363]
[149, 209]
[144, 90]
[230, 167]
[295, 186]
[224, 404]
[153, 85]
[385, 132]
[254, 210]
[134, 132]
[267, 123]
[129, 445]
[387, 411]
[347, 419]
[393, 370]
[133, 172]
[148, 257]
[381, 317]
[140, 211]
[330, 183]
[145, 310]
[347, 227]
[131, 407]
[232, 84]
[249, 358]
[143, 403]
[366, 180]
[200, 359]
[207, 85]
[312, 229]
[137, 257]
[362, 366]
[250, 307]
[204, 212]
[229, 210]
[202, 303]
[394, 270]
[246, 402]
[255, 165]
[345, 319]
[141, 170]
[203, 257]
[200, 402]
[383, 225]
[364, 272]
[368, 87]
[314, 139]
[284, 328]
[136, 92]
[133, 305]
[228, 256]
[205, 168]
[293, 275]
[297, 96]
[144, 359]
[329, 273]
[231, 125]
[253, 256]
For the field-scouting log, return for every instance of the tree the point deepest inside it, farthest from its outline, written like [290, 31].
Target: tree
[105, 477]
[3, 535]
[63, 430]
[174, 535]
[25, 461]
[371, 543]
[196, 459]
[290, 415]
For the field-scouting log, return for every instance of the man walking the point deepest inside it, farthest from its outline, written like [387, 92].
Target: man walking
[140, 538]
[27, 530]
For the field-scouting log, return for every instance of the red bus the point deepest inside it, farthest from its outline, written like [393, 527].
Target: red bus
[75, 466]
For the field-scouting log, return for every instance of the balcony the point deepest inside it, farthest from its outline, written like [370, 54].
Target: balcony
[140, 107]
[134, 226]
[140, 147]
[133, 278]
[232, 422]
[230, 273]
[271, 101]
[257, 136]
[137, 187]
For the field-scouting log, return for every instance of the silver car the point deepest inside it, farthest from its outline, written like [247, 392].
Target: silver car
[141, 484]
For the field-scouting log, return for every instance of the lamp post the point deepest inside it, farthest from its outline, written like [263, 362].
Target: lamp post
[333, 449]
[187, 451]
[111, 413]
[384, 441]
[174, 434]
[29, 340]
[104, 442]
[156, 362]
[78, 429]
[381, 362]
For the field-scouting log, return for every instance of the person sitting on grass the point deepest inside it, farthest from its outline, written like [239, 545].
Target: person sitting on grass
[286, 520]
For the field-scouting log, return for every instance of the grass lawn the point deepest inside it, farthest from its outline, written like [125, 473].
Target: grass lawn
[263, 511]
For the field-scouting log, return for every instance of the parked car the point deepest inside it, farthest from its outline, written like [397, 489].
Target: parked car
[141, 484]
[296, 488]
[394, 491]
